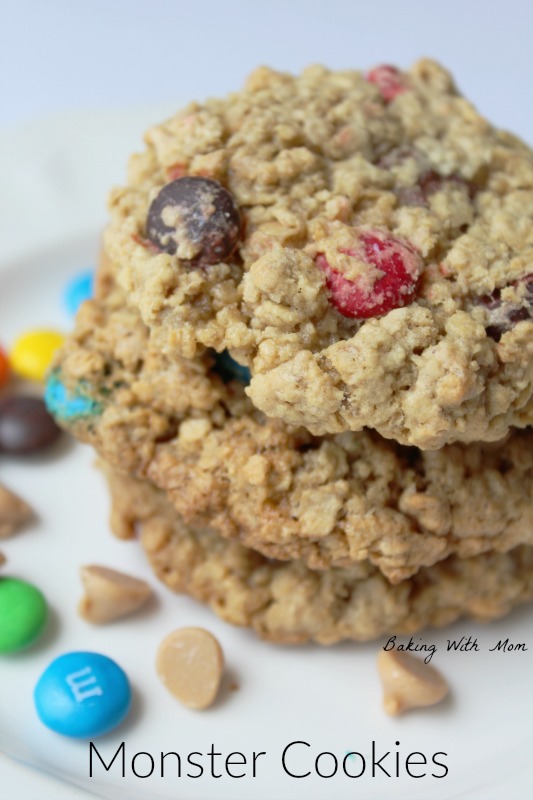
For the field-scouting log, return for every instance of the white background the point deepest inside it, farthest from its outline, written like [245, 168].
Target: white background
[66, 61]
[63, 62]
[75, 54]
[69, 64]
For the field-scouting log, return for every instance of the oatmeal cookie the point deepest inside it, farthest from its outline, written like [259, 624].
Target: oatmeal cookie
[289, 603]
[329, 501]
[363, 243]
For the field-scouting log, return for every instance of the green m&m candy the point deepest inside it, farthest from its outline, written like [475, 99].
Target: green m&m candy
[23, 614]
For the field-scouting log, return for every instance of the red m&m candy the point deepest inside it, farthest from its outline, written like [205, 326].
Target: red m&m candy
[394, 267]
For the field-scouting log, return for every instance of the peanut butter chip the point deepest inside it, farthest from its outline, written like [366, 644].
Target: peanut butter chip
[190, 663]
[13, 512]
[408, 682]
[110, 595]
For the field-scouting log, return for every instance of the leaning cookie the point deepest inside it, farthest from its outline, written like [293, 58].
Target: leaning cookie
[362, 242]
[287, 602]
[330, 501]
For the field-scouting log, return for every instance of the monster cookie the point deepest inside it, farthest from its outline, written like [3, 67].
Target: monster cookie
[288, 602]
[363, 243]
[331, 501]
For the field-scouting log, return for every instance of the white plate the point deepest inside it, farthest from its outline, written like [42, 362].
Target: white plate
[53, 184]
[327, 697]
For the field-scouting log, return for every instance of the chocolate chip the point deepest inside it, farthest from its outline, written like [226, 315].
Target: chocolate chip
[429, 183]
[398, 155]
[196, 218]
[509, 316]
[503, 315]
[25, 425]
[491, 301]
[496, 331]
[411, 196]
[519, 314]
[169, 434]
[528, 284]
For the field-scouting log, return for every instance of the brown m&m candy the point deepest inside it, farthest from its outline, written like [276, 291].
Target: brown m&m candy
[25, 425]
[196, 219]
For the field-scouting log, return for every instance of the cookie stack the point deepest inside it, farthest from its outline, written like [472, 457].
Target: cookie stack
[308, 365]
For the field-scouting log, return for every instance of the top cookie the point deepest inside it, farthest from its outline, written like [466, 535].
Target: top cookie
[362, 242]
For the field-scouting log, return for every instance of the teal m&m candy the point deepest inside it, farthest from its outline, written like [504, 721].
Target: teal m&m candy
[229, 369]
[83, 695]
[23, 613]
[68, 406]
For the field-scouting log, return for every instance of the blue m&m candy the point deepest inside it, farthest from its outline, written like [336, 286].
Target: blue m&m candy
[78, 290]
[82, 695]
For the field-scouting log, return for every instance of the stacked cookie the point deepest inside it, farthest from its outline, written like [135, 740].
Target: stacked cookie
[308, 366]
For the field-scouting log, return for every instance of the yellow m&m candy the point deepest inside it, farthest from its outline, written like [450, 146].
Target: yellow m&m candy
[32, 353]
